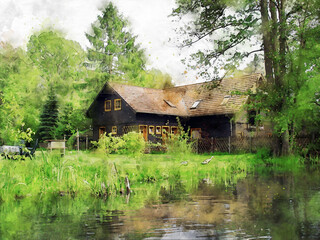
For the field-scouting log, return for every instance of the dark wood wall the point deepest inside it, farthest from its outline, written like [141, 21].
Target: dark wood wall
[212, 126]
[155, 120]
[100, 118]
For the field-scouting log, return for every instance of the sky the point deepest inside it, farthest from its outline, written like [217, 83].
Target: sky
[149, 21]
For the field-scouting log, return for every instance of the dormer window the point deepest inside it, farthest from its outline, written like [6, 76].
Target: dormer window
[225, 99]
[195, 104]
[169, 103]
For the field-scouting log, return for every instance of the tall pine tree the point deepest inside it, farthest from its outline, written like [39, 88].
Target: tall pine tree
[114, 50]
[49, 117]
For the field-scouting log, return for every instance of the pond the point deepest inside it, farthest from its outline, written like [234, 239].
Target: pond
[265, 205]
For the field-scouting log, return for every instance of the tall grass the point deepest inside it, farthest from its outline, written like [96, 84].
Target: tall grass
[101, 175]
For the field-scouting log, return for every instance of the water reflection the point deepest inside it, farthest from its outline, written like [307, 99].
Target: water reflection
[277, 206]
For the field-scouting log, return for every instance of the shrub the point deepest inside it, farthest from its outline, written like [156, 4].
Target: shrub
[179, 143]
[133, 143]
[264, 153]
[129, 143]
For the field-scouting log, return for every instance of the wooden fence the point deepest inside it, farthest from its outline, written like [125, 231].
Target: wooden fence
[240, 144]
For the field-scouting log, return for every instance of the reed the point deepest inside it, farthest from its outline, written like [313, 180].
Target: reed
[87, 174]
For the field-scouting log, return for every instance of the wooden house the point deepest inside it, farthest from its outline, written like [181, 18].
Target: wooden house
[209, 109]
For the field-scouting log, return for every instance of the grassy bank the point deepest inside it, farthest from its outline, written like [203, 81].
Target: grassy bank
[93, 174]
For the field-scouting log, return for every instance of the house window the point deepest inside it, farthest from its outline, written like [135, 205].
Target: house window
[114, 130]
[195, 104]
[174, 130]
[117, 104]
[151, 129]
[165, 130]
[158, 129]
[107, 105]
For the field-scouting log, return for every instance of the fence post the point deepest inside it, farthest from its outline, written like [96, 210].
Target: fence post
[250, 137]
[229, 145]
[87, 143]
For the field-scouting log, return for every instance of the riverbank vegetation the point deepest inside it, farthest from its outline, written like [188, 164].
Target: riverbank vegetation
[97, 174]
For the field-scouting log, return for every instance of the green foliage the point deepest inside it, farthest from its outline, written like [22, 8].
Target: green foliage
[290, 43]
[264, 153]
[130, 143]
[116, 56]
[59, 60]
[114, 49]
[134, 143]
[61, 63]
[154, 79]
[25, 78]
[109, 143]
[179, 143]
[49, 117]
[20, 97]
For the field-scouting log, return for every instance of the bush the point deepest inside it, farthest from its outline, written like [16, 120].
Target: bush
[129, 143]
[134, 143]
[264, 153]
[179, 143]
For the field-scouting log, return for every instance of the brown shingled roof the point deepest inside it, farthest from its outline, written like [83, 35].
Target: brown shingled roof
[158, 101]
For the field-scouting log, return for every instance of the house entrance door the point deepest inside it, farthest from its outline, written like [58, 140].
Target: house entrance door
[143, 130]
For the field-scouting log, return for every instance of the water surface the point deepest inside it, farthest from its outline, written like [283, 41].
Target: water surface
[268, 205]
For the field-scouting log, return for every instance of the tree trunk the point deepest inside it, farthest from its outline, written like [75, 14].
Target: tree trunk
[266, 41]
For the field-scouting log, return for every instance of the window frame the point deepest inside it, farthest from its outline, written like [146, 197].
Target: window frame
[105, 105]
[167, 132]
[114, 132]
[149, 128]
[115, 104]
[174, 127]
[196, 104]
[225, 100]
[159, 133]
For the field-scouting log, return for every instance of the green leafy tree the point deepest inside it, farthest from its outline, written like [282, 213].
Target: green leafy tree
[61, 64]
[59, 60]
[20, 96]
[114, 50]
[49, 117]
[154, 78]
[279, 29]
